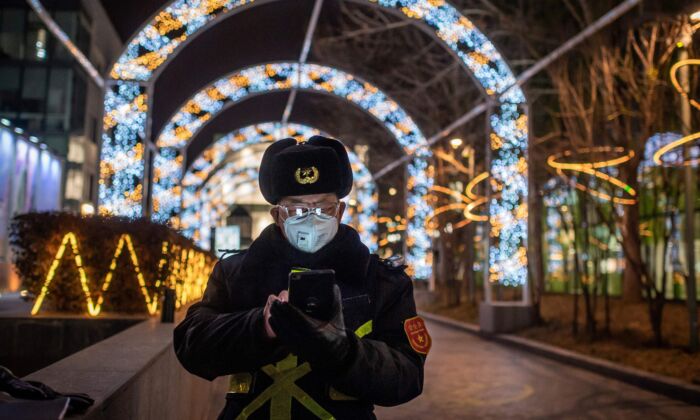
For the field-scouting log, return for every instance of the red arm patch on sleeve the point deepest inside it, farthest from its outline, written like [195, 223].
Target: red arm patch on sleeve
[417, 334]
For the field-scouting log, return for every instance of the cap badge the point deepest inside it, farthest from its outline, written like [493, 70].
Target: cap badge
[306, 175]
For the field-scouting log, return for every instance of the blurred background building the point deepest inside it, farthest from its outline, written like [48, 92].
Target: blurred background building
[47, 100]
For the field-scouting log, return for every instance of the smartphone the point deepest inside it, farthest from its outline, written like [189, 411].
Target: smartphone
[312, 292]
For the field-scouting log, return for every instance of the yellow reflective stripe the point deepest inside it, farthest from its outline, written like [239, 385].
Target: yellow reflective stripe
[360, 332]
[281, 402]
[240, 383]
[364, 329]
[299, 269]
[336, 395]
[311, 405]
[283, 388]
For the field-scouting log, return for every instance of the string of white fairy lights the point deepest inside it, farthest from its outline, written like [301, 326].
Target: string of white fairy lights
[212, 171]
[127, 108]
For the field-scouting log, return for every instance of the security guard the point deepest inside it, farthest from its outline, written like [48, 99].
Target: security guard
[283, 363]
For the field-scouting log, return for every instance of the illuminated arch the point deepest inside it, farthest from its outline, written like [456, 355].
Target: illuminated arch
[198, 180]
[213, 202]
[127, 102]
[206, 104]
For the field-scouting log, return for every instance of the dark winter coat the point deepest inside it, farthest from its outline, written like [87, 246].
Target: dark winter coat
[224, 333]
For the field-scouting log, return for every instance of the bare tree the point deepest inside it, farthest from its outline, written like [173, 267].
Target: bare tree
[614, 94]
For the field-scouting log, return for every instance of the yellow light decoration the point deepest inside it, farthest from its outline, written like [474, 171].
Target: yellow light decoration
[461, 224]
[442, 209]
[598, 194]
[584, 166]
[94, 307]
[611, 179]
[591, 168]
[478, 200]
[469, 189]
[450, 159]
[450, 192]
[677, 85]
[87, 209]
[467, 204]
[693, 102]
[602, 246]
[674, 144]
[470, 208]
[396, 228]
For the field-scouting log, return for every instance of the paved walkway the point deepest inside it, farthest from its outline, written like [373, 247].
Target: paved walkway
[469, 377]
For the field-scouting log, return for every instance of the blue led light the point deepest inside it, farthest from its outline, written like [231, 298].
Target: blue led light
[205, 104]
[157, 41]
[206, 178]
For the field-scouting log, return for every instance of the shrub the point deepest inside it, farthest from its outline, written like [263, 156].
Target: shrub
[36, 238]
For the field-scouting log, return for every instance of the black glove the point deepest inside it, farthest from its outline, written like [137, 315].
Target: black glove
[32, 390]
[21, 389]
[324, 344]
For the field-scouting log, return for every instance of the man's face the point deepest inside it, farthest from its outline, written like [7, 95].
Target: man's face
[325, 200]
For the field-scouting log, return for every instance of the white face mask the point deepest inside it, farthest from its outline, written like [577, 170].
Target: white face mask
[310, 232]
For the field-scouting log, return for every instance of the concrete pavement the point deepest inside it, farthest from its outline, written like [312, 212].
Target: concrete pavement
[469, 377]
[12, 305]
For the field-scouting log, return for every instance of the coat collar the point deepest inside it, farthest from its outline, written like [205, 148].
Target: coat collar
[345, 253]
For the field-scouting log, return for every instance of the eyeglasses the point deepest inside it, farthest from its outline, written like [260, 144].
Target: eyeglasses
[328, 209]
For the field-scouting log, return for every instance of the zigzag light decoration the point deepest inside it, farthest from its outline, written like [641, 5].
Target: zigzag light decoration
[197, 265]
[181, 20]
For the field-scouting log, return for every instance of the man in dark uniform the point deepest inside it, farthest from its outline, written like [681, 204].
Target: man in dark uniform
[283, 363]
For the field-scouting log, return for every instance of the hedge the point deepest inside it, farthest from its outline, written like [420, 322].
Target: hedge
[165, 258]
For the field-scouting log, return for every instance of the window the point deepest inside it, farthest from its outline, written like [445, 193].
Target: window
[32, 103]
[34, 86]
[94, 131]
[74, 184]
[58, 95]
[76, 151]
[9, 88]
[91, 188]
[36, 38]
[11, 33]
[77, 113]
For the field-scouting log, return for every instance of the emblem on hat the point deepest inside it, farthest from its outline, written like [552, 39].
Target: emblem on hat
[306, 175]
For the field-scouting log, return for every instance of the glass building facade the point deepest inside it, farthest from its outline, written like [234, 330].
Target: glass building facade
[42, 89]
[30, 180]
[47, 100]
[45, 92]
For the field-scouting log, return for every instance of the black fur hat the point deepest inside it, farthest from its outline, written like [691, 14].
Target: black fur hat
[319, 165]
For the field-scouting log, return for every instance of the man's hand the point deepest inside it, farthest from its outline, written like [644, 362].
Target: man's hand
[325, 344]
[283, 297]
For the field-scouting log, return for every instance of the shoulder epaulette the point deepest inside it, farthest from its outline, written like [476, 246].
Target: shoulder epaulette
[227, 252]
[395, 262]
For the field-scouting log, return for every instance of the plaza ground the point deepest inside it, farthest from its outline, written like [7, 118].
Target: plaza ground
[469, 377]
[630, 341]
